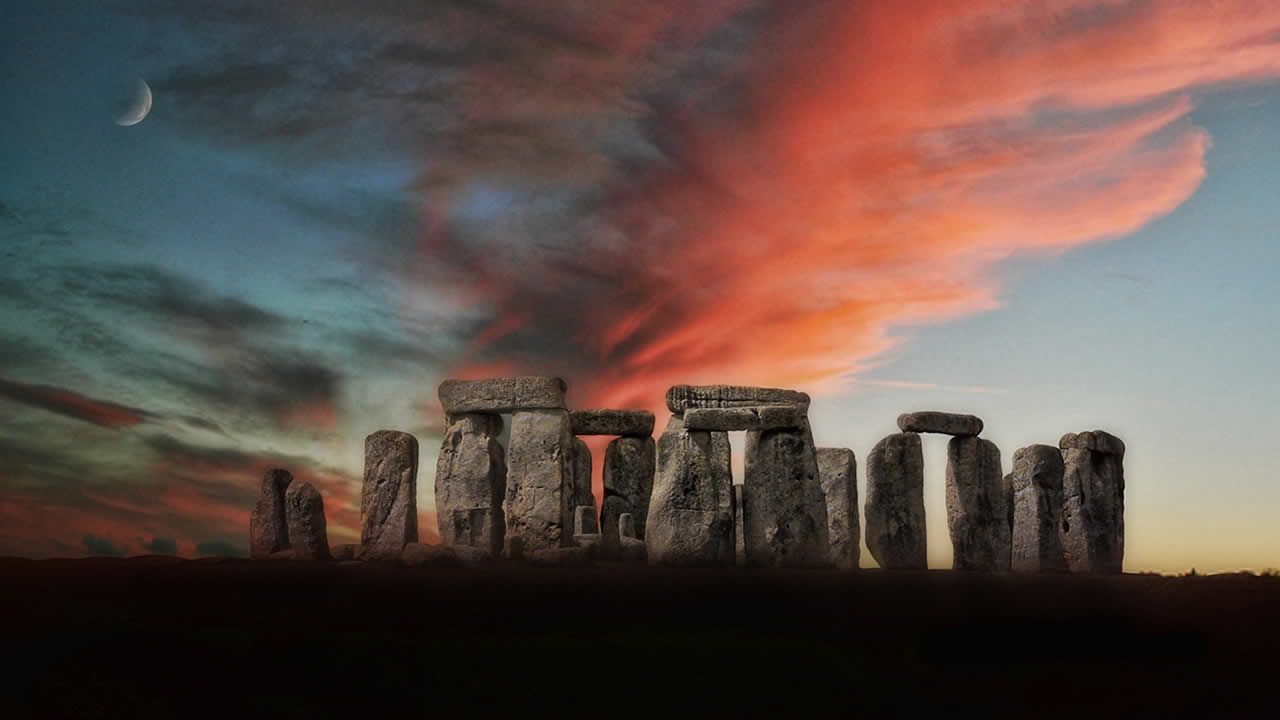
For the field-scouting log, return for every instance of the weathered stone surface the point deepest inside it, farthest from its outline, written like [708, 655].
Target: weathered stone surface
[629, 465]
[1095, 440]
[631, 549]
[739, 526]
[683, 397]
[838, 471]
[627, 525]
[1092, 530]
[977, 505]
[581, 494]
[690, 517]
[895, 503]
[584, 520]
[940, 422]
[539, 476]
[471, 482]
[421, 555]
[502, 395]
[630, 423]
[1037, 509]
[389, 496]
[784, 526]
[304, 510]
[756, 417]
[268, 526]
[347, 551]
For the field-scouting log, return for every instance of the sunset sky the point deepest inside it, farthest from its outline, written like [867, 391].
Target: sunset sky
[1058, 215]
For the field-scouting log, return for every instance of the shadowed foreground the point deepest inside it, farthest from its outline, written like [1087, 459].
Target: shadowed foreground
[167, 637]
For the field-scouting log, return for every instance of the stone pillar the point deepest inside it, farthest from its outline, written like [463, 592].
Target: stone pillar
[304, 509]
[785, 516]
[389, 496]
[690, 516]
[977, 505]
[739, 526]
[268, 525]
[1037, 509]
[539, 473]
[895, 503]
[838, 471]
[628, 483]
[1092, 530]
[581, 494]
[471, 481]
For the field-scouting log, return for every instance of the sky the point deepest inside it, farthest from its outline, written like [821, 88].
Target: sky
[1057, 215]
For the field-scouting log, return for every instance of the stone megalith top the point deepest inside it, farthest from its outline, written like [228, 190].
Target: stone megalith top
[626, 423]
[684, 397]
[757, 417]
[940, 422]
[1095, 440]
[502, 395]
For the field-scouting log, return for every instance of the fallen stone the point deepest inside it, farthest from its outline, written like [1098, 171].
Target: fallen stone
[1092, 530]
[783, 526]
[977, 505]
[502, 395]
[1037, 509]
[304, 509]
[940, 422]
[629, 465]
[581, 485]
[895, 503]
[838, 471]
[539, 473]
[690, 518]
[422, 555]
[268, 526]
[389, 496]
[347, 551]
[630, 423]
[1095, 440]
[471, 482]
[684, 397]
[757, 417]
[287, 554]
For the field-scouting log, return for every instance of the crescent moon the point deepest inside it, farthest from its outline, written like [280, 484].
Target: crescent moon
[141, 106]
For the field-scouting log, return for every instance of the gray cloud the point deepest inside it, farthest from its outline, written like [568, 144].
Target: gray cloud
[103, 547]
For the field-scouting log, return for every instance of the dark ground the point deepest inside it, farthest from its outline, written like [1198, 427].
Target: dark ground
[156, 637]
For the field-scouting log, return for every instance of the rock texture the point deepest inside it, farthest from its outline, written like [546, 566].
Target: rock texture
[502, 395]
[895, 503]
[1037, 509]
[304, 509]
[940, 422]
[471, 482]
[630, 423]
[838, 471]
[629, 465]
[1092, 530]
[683, 397]
[586, 530]
[389, 497]
[539, 474]
[268, 525]
[345, 552]
[690, 518]
[784, 527]
[756, 417]
[978, 505]
[632, 549]
[739, 526]
[581, 494]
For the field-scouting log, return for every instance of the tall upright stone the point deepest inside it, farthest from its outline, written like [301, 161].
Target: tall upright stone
[1092, 529]
[471, 482]
[690, 517]
[895, 503]
[739, 526]
[268, 524]
[977, 505]
[1037, 509]
[389, 496]
[838, 471]
[785, 526]
[581, 475]
[539, 475]
[304, 509]
[629, 465]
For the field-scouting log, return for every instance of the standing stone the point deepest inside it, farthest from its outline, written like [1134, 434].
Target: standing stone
[690, 517]
[581, 476]
[1092, 530]
[940, 422]
[586, 530]
[895, 503]
[838, 471]
[632, 550]
[501, 395]
[629, 423]
[539, 474]
[304, 509]
[977, 505]
[389, 498]
[739, 526]
[268, 525]
[784, 527]
[471, 480]
[1037, 509]
[628, 484]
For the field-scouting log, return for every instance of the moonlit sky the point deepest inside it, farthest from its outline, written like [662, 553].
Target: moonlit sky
[1058, 215]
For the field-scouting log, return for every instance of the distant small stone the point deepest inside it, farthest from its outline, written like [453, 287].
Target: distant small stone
[629, 423]
[584, 520]
[940, 422]
[308, 536]
[502, 395]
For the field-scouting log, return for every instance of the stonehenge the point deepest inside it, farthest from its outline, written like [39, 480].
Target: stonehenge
[673, 501]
